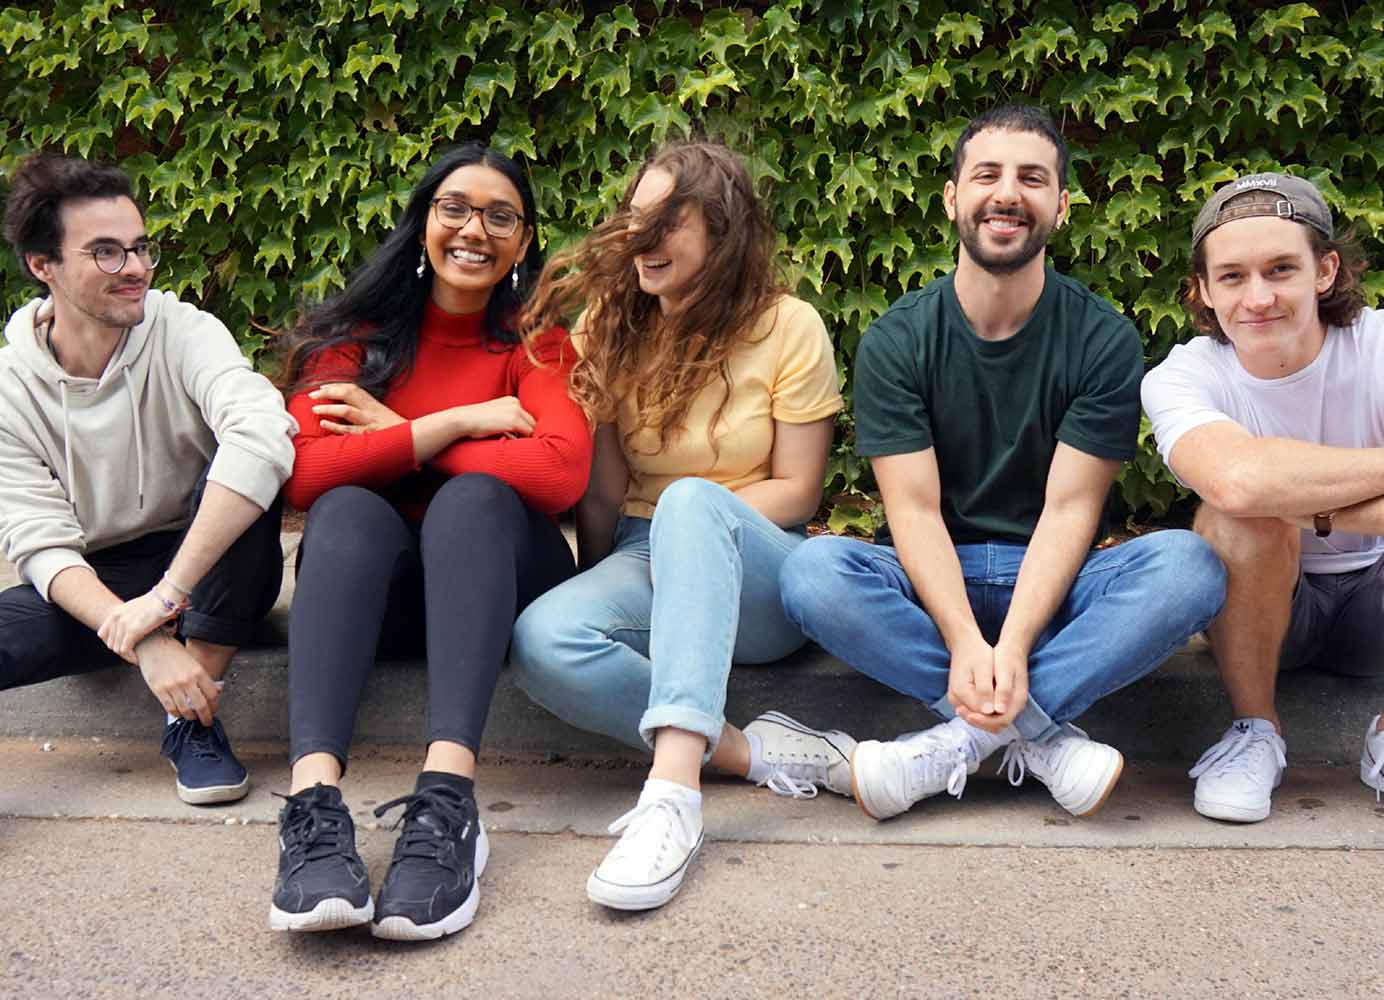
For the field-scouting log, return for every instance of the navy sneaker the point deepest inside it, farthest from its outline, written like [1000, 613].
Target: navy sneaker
[322, 883]
[207, 769]
[430, 889]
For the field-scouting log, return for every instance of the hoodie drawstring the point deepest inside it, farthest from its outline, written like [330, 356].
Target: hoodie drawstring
[139, 438]
[67, 447]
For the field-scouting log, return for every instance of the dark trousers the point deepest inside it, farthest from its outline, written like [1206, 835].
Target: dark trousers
[40, 641]
[371, 584]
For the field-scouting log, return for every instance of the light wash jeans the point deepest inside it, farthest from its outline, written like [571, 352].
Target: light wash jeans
[1128, 609]
[645, 638]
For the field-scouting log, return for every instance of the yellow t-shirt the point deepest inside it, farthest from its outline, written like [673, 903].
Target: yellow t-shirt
[784, 370]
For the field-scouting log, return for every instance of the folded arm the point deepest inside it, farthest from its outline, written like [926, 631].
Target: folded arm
[1248, 476]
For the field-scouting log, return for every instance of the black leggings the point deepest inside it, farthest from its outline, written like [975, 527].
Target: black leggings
[371, 583]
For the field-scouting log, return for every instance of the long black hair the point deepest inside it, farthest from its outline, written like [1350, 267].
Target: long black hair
[382, 305]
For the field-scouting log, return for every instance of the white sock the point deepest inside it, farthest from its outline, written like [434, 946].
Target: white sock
[759, 771]
[658, 788]
[168, 720]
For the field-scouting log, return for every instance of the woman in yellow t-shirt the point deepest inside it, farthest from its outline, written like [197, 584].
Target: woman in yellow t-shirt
[713, 393]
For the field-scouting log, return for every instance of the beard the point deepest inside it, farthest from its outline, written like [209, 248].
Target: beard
[1011, 258]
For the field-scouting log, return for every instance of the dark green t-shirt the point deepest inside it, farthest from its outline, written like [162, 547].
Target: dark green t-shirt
[995, 410]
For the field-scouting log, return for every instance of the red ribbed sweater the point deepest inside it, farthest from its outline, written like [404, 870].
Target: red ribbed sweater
[455, 366]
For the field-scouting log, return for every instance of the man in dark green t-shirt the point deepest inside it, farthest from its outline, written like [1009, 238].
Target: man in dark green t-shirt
[996, 405]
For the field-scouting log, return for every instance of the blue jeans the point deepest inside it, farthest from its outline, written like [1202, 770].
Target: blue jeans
[645, 638]
[1129, 608]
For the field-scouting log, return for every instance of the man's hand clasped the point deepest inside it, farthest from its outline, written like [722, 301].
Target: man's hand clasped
[988, 686]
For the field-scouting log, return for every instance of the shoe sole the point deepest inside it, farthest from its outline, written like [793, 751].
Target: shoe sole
[328, 915]
[644, 897]
[1231, 813]
[1105, 789]
[793, 725]
[401, 928]
[880, 815]
[212, 794]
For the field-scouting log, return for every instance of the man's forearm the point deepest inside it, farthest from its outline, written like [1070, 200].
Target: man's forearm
[1059, 546]
[1281, 477]
[929, 558]
[221, 518]
[1360, 519]
[80, 592]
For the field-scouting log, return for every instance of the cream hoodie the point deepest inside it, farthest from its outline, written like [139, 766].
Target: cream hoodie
[88, 463]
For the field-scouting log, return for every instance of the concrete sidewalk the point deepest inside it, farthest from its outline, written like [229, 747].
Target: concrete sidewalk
[122, 891]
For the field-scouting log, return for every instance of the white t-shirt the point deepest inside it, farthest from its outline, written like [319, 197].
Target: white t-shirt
[1337, 400]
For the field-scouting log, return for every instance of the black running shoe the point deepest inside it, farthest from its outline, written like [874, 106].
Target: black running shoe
[431, 888]
[322, 883]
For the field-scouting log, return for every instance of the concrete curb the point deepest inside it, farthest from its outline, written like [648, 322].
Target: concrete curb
[1171, 716]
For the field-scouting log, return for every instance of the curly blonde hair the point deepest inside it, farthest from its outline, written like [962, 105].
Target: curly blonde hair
[628, 345]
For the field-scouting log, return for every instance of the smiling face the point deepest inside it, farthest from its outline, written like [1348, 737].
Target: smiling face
[1262, 281]
[81, 291]
[468, 263]
[1007, 199]
[670, 269]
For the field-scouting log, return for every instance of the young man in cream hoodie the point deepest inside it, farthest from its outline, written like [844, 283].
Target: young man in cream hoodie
[140, 464]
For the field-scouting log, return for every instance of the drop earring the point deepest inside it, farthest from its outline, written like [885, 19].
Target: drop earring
[514, 277]
[422, 262]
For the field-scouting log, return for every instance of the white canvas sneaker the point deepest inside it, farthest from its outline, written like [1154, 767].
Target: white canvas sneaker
[1079, 772]
[645, 868]
[802, 759]
[1236, 776]
[1372, 759]
[888, 778]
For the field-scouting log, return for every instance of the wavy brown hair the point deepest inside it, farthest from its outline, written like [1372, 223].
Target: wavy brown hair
[1341, 304]
[628, 345]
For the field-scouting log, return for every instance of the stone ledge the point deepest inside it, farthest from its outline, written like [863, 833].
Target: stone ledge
[1171, 716]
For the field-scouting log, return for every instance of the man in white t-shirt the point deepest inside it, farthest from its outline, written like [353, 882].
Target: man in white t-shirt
[1276, 419]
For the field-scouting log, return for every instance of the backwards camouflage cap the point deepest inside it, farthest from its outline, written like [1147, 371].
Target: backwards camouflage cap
[1297, 200]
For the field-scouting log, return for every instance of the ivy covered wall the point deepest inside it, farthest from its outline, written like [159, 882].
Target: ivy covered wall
[274, 141]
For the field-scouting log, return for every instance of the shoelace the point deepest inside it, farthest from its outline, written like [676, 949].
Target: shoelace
[1021, 755]
[1013, 761]
[315, 827]
[1227, 756]
[450, 815]
[935, 756]
[200, 740]
[638, 820]
[782, 782]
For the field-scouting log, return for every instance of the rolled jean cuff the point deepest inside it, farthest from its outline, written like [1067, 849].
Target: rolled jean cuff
[1033, 724]
[679, 717]
[218, 631]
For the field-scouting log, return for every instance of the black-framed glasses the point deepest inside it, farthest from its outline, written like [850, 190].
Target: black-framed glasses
[111, 257]
[496, 220]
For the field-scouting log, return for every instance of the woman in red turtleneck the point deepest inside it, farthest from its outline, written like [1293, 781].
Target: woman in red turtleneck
[433, 455]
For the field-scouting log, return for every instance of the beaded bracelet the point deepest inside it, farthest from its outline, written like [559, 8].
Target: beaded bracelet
[169, 607]
[182, 590]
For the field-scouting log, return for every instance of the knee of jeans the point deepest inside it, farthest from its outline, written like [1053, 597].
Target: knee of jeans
[806, 577]
[538, 634]
[687, 499]
[1190, 572]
